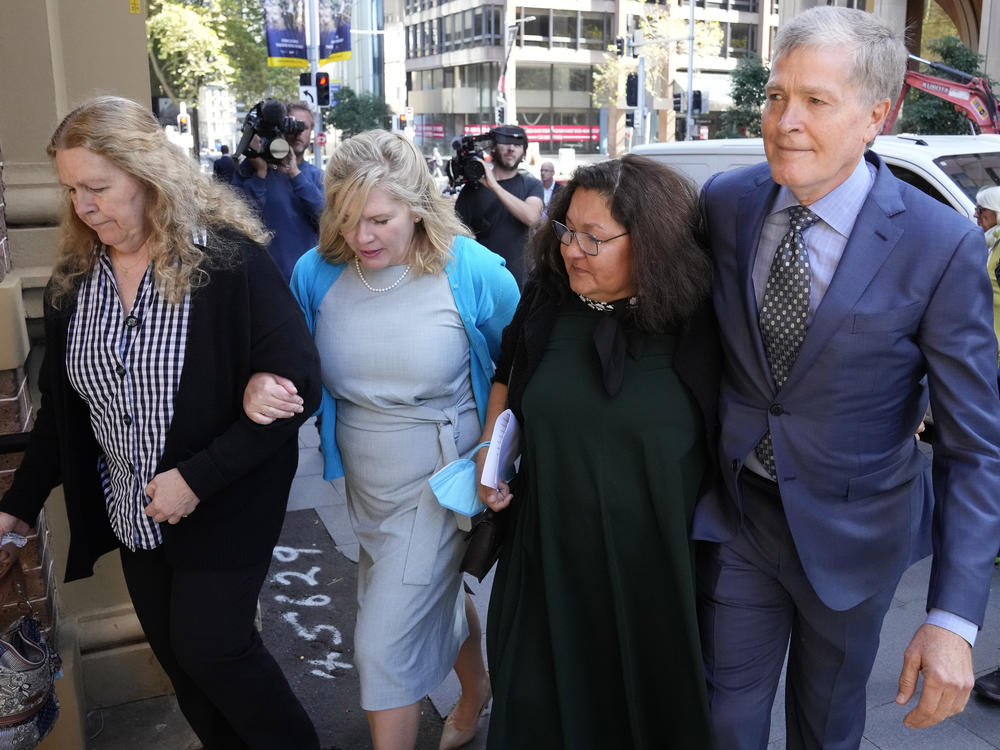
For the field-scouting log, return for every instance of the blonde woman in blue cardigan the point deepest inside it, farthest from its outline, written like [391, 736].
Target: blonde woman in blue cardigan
[406, 312]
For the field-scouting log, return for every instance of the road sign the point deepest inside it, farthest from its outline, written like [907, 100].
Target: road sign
[308, 94]
[409, 114]
[321, 138]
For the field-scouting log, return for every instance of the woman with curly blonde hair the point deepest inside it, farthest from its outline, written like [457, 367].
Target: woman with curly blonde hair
[406, 311]
[162, 305]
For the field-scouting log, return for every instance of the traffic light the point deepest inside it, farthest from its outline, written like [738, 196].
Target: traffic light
[696, 102]
[322, 89]
[305, 79]
[632, 90]
[677, 102]
[630, 119]
[402, 122]
[620, 46]
[183, 123]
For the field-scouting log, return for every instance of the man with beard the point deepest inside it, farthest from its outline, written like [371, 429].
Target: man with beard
[289, 194]
[505, 203]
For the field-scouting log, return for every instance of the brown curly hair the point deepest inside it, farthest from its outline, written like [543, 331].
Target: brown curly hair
[659, 209]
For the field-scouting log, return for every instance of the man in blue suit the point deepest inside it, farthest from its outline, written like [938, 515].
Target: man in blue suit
[838, 289]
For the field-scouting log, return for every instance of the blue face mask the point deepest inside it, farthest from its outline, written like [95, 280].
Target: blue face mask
[454, 486]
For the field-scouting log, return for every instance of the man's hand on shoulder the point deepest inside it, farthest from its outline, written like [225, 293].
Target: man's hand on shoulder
[945, 660]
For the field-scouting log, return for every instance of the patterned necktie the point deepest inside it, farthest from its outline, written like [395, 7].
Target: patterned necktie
[784, 309]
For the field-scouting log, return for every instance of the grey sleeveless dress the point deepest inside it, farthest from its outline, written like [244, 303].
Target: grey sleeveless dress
[398, 364]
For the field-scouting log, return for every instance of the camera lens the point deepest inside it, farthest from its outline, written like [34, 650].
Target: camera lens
[278, 148]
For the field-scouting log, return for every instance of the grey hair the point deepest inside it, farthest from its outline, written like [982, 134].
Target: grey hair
[989, 197]
[878, 53]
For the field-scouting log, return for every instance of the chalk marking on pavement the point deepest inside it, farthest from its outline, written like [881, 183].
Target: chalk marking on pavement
[291, 554]
[311, 633]
[309, 577]
[316, 600]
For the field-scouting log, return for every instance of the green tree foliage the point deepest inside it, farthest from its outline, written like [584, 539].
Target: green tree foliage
[666, 39]
[747, 89]
[356, 113]
[241, 26]
[924, 113]
[184, 50]
[194, 42]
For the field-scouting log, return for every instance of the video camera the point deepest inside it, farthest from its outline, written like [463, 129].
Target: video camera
[273, 126]
[463, 166]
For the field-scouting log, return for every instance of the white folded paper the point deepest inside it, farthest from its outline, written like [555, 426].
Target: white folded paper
[505, 448]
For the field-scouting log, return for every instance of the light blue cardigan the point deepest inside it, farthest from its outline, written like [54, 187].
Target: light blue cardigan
[485, 295]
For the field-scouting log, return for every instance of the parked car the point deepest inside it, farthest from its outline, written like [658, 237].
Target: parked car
[951, 168]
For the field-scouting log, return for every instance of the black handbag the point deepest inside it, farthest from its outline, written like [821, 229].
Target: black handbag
[485, 541]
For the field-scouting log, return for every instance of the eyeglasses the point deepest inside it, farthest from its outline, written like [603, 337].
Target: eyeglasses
[587, 242]
[979, 210]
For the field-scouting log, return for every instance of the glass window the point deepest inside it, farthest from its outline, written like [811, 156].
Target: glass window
[972, 172]
[468, 26]
[536, 33]
[595, 31]
[496, 25]
[580, 78]
[477, 25]
[535, 77]
[742, 39]
[563, 29]
[748, 6]
[449, 78]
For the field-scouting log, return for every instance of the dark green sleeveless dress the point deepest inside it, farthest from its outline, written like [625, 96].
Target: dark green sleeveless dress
[592, 634]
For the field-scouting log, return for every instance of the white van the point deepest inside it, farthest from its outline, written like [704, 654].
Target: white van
[951, 168]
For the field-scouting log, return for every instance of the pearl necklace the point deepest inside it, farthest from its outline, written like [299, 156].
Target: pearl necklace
[393, 285]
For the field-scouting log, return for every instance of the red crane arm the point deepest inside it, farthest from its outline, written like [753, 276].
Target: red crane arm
[974, 99]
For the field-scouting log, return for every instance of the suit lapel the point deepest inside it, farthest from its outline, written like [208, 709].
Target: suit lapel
[874, 236]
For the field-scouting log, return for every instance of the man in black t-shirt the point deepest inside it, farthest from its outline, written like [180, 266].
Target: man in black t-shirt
[505, 203]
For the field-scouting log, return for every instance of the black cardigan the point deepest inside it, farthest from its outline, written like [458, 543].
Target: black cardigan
[698, 359]
[244, 320]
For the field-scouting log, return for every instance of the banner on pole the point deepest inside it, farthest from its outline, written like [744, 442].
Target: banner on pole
[285, 28]
[334, 30]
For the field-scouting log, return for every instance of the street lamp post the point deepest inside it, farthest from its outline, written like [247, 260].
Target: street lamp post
[500, 112]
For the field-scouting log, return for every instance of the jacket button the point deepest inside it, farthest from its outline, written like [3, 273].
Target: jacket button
[131, 321]
[127, 420]
[119, 370]
[776, 410]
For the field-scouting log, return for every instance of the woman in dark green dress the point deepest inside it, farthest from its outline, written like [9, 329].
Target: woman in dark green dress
[611, 367]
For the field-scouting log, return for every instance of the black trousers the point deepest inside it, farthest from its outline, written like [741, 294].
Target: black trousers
[199, 624]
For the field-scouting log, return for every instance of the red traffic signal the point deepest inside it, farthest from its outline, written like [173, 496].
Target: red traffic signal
[323, 89]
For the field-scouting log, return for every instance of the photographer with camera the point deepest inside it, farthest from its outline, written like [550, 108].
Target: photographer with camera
[504, 203]
[286, 189]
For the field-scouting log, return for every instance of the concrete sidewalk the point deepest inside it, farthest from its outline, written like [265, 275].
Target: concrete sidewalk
[157, 724]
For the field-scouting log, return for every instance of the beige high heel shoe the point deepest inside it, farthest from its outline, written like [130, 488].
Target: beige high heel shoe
[453, 736]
